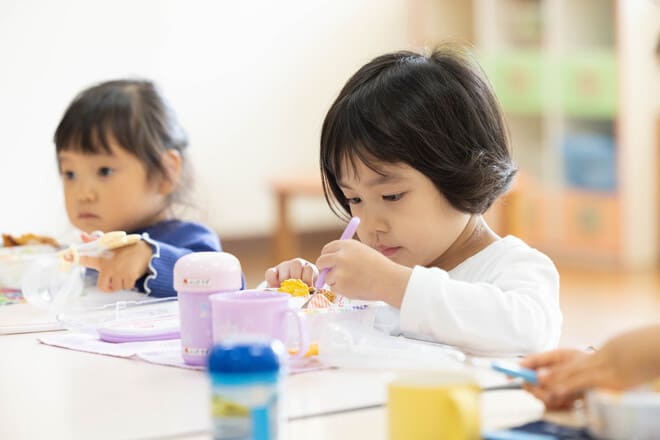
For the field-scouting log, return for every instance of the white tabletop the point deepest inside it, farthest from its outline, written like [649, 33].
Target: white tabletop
[50, 392]
[58, 393]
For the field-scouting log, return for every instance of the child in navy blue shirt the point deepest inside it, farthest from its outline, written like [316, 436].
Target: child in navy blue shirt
[120, 153]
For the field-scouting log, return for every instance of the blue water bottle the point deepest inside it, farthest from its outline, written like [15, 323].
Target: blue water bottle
[246, 390]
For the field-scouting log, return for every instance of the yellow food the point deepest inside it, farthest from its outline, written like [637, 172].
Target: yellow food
[294, 287]
[313, 350]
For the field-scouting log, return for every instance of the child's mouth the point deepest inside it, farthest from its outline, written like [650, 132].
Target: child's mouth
[389, 251]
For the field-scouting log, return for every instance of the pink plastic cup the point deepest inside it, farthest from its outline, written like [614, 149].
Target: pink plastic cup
[196, 277]
[257, 314]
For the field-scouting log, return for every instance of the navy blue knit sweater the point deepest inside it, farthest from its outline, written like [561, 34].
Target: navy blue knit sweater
[171, 240]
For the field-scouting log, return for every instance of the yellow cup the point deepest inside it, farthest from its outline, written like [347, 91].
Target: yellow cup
[433, 405]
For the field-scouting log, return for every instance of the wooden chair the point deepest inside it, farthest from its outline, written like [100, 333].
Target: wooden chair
[285, 189]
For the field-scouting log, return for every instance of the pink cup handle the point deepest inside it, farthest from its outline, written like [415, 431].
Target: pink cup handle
[303, 337]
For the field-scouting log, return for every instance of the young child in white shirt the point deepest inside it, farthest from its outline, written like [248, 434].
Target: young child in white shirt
[417, 148]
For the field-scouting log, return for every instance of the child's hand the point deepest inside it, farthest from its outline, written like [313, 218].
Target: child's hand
[296, 268]
[625, 361]
[544, 363]
[120, 268]
[360, 272]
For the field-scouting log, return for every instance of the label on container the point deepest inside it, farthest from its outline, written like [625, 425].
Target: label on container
[195, 351]
[245, 413]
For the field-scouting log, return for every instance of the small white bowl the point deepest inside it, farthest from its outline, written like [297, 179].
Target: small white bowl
[632, 414]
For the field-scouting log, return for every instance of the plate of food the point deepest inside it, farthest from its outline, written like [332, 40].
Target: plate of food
[322, 308]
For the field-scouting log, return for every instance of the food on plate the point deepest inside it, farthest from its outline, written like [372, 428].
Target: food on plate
[27, 239]
[295, 287]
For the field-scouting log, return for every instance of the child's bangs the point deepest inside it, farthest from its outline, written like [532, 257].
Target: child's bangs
[91, 126]
[89, 136]
[355, 139]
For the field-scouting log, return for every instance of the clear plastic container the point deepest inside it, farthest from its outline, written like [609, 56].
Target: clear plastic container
[45, 284]
[126, 320]
[16, 260]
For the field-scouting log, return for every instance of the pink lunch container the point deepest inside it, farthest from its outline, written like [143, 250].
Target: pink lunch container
[196, 276]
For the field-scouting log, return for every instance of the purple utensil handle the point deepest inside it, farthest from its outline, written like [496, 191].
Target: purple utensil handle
[348, 233]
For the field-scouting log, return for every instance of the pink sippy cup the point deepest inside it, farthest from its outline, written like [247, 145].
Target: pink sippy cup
[196, 276]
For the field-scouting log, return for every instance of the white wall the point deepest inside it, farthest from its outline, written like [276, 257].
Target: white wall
[250, 81]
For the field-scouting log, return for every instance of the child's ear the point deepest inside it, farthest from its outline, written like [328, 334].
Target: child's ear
[172, 163]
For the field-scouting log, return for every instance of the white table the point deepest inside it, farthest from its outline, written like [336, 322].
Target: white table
[50, 392]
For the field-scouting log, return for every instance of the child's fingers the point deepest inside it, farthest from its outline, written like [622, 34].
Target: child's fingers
[539, 360]
[332, 246]
[537, 392]
[559, 402]
[326, 261]
[271, 276]
[309, 274]
[284, 272]
[576, 381]
[104, 282]
[91, 262]
[552, 401]
[295, 269]
[574, 377]
[548, 358]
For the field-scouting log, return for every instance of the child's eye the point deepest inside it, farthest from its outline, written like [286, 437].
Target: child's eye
[68, 175]
[105, 171]
[393, 197]
[353, 200]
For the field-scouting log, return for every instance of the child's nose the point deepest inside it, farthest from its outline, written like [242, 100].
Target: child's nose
[372, 222]
[87, 193]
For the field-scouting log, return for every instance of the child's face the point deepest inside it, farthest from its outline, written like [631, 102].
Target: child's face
[403, 215]
[108, 192]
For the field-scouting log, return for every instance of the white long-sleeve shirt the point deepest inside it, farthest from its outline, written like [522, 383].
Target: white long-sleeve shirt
[502, 300]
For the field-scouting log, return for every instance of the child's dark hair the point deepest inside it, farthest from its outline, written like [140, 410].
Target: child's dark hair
[435, 113]
[133, 113]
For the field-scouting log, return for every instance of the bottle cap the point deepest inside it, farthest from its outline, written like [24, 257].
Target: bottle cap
[205, 272]
[245, 357]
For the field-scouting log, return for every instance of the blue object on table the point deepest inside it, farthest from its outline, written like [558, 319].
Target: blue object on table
[245, 389]
[590, 161]
[539, 430]
[514, 370]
